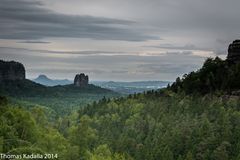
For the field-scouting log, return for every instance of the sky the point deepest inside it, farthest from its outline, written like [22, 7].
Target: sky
[127, 40]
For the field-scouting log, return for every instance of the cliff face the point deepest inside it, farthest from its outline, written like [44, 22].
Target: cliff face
[81, 80]
[11, 71]
[234, 52]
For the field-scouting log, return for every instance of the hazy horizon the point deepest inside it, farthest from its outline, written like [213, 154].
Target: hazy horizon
[95, 80]
[111, 40]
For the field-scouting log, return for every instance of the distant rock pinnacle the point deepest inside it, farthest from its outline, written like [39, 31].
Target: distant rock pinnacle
[234, 52]
[81, 80]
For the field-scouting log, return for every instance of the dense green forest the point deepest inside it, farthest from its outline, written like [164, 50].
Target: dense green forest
[61, 100]
[196, 118]
[165, 125]
[215, 75]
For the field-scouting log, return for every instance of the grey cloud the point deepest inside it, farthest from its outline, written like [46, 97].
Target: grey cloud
[119, 71]
[167, 68]
[221, 47]
[200, 21]
[92, 53]
[180, 53]
[104, 67]
[208, 24]
[188, 47]
[222, 41]
[174, 14]
[219, 52]
[67, 70]
[83, 53]
[21, 19]
[37, 42]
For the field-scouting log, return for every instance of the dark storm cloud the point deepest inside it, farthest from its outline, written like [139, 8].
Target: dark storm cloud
[22, 19]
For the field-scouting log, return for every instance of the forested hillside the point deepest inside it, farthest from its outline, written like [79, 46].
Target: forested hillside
[165, 125]
[29, 132]
[61, 100]
[215, 75]
[196, 118]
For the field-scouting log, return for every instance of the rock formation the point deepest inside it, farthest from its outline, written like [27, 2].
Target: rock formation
[11, 71]
[234, 52]
[81, 80]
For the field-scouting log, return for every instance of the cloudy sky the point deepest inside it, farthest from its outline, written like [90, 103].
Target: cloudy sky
[127, 40]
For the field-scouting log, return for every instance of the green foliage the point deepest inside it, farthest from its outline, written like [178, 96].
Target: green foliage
[28, 132]
[164, 125]
[103, 152]
[193, 119]
[61, 100]
[189, 156]
[1, 144]
[215, 75]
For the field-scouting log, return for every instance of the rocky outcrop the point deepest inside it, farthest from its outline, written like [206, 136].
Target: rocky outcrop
[234, 52]
[11, 71]
[81, 80]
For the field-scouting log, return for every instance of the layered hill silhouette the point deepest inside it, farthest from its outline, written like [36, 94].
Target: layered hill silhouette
[43, 79]
[60, 99]
[27, 88]
[14, 84]
[120, 87]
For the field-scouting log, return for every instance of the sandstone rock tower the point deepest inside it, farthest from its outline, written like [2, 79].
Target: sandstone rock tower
[81, 80]
[11, 71]
[234, 52]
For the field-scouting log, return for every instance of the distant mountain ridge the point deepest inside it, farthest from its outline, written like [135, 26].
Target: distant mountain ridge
[133, 87]
[62, 99]
[61, 96]
[44, 80]
[28, 88]
[121, 87]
